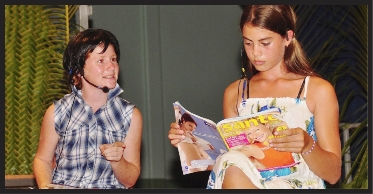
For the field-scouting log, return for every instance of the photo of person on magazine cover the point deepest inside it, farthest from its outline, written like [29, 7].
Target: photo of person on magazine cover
[192, 147]
[263, 156]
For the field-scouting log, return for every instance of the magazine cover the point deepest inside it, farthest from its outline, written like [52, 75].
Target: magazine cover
[202, 145]
[250, 134]
[239, 131]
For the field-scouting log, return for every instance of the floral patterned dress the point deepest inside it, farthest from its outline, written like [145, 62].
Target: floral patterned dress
[295, 112]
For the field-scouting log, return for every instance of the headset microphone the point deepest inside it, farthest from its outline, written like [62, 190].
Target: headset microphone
[105, 89]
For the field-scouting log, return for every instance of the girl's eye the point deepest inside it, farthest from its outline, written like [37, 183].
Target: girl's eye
[114, 59]
[265, 44]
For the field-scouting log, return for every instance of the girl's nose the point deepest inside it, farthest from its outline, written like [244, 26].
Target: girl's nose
[256, 51]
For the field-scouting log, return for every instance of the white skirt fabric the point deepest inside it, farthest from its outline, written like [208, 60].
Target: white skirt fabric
[297, 177]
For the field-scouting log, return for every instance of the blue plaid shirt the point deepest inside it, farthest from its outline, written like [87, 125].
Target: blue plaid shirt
[78, 157]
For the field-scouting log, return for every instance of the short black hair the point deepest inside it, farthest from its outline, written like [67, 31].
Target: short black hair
[78, 48]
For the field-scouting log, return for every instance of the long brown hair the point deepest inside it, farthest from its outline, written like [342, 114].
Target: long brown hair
[278, 19]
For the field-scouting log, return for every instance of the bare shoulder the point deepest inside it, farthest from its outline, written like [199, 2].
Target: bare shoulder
[230, 98]
[232, 88]
[319, 84]
[48, 120]
[136, 112]
[49, 113]
[136, 116]
[322, 93]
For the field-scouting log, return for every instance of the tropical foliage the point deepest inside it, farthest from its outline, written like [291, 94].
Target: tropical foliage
[35, 38]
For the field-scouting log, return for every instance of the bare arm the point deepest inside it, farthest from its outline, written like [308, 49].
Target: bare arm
[127, 168]
[44, 158]
[325, 158]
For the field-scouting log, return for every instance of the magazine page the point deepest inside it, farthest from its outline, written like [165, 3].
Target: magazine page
[250, 134]
[202, 145]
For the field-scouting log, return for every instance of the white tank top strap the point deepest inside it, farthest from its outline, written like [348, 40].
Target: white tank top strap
[305, 87]
[243, 93]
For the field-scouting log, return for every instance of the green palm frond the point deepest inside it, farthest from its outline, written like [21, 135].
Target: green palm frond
[35, 37]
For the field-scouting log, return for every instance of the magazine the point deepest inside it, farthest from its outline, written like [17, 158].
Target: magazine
[206, 140]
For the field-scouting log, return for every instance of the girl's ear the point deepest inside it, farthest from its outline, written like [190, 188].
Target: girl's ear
[289, 36]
